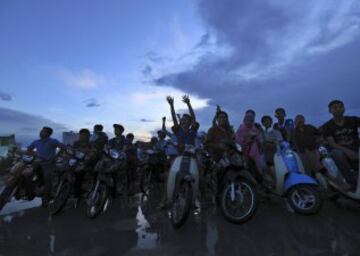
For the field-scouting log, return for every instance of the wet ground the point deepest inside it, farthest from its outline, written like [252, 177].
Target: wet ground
[133, 226]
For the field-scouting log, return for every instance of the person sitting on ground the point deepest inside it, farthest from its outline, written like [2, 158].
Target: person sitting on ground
[341, 132]
[45, 153]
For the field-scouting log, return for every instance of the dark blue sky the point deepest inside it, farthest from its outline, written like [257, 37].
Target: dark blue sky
[71, 64]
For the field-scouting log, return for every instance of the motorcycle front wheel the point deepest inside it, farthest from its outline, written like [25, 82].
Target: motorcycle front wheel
[62, 195]
[96, 201]
[181, 205]
[238, 201]
[304, 199]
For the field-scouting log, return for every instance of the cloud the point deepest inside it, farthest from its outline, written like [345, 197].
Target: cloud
[144, 120]
[155, 57]
[84, 79]
[26, 126]
[5, 96]
[91, 103]
[147, 71]
[274, 53]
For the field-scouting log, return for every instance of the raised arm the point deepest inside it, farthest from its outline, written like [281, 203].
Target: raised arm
[186, 100]
[170, 100]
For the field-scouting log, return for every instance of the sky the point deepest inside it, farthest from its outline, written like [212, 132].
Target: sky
[72, 64]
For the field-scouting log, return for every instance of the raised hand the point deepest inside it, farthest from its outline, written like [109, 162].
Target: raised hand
[186, 99]
[164, 119]
[170, 100]
[218, 108]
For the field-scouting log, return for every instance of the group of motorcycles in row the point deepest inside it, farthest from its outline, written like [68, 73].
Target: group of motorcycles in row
[231, 180]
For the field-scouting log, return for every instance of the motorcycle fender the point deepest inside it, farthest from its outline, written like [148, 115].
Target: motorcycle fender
[293, 179]
[107, 180]
[246, 175]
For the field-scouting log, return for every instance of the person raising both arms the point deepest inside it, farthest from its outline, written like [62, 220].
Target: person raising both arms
[186, 130]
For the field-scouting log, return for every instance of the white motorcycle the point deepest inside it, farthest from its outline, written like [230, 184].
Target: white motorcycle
[333, 181]
[182, 185]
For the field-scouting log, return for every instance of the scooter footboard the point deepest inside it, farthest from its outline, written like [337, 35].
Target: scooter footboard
[176, 167]
[293, 178]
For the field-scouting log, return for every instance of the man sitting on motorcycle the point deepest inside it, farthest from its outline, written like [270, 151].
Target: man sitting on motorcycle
[83, 145]
[119, 141]
[131, 155]
[220, 135]
[46, 152]
[341, 132]
[186, 130]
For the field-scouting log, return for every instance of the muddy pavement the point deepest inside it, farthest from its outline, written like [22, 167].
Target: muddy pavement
[133, 226]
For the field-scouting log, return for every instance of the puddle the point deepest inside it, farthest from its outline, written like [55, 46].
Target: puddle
[211, 238]
[20, 205]
[52, 244]
[146, 240]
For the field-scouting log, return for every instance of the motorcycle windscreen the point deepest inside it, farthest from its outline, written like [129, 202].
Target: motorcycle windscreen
[293, 178]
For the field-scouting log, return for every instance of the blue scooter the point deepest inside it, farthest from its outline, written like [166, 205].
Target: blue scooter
[290, 180]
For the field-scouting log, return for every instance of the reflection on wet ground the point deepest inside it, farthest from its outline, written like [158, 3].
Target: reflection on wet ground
[133, 226]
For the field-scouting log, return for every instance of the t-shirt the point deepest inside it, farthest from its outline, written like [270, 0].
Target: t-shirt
[286, 128]
[305, 139]
[272, 135]
[117, 144]
[46, 148]
[345, 135]
[186, 137]
[83, 146]
[99, 140]
[217, 136]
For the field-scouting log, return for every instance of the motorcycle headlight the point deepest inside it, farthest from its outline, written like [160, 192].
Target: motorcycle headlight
[79, 155]
[190, 149]
[323, 151]
[70, 151]
[72, 162]
[114, 154]
[238, 147]
[27, 158]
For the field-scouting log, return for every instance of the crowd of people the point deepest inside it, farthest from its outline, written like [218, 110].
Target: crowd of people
[258, 141]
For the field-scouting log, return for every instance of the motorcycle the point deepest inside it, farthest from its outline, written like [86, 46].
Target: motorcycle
[235, 190]
[25, 181]
[107, 172]
[182, 185]
[333, 181]
[152, 167]
[301, 190]
[68, 169]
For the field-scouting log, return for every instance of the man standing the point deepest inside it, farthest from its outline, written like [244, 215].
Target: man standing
[46, 152]
[341, 132]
